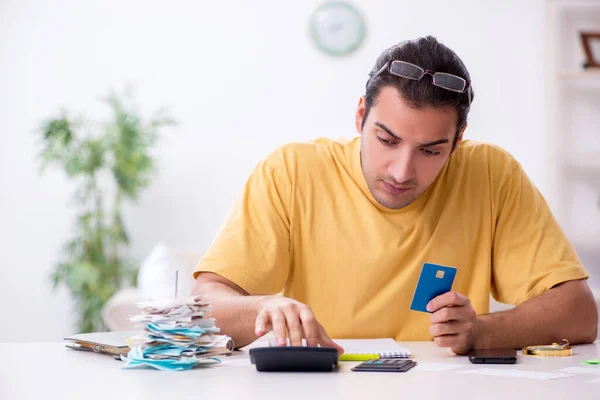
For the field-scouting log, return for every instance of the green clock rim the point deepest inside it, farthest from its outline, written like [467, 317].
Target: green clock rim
[361, 27]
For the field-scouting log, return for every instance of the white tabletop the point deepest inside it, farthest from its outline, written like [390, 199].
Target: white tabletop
[41, 370]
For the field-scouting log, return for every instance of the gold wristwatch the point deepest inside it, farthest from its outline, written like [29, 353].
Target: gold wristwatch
[555, 349]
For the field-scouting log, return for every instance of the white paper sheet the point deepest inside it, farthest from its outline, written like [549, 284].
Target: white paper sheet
[581, 370]
[358, 346]
[516, 373]
[433, 366]
[114, 339]
[362, 346]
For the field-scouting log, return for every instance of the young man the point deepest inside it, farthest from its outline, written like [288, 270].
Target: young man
[344, 229]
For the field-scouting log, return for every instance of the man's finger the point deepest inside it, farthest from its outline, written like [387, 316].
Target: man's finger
[262, 324]
[447, 340]
[279, 327]
[325, 341]
[458, 343]
[447, 299]
[446, 328]
[446, 314]
[294, 328]
[310, 327]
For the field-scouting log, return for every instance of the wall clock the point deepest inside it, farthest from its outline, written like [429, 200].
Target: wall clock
[337, 28]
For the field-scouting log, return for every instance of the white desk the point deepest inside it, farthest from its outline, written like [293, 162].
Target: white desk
[49, 370]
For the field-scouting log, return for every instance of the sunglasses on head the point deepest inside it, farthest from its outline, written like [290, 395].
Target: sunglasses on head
[407, 70]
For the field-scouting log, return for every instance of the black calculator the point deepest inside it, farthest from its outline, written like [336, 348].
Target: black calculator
[294, 358]
[385, 365]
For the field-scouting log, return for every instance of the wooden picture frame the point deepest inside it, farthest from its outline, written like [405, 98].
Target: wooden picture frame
[592, 60]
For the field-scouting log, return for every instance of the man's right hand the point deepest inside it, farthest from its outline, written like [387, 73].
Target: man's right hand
[288, 317]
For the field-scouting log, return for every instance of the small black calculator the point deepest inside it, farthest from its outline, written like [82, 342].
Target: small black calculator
[385, 365]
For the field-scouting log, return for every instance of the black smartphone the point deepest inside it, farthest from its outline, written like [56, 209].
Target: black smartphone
[493, 356]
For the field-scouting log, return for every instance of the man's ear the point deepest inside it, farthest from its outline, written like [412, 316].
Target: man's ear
[460, 137]
[360, 114]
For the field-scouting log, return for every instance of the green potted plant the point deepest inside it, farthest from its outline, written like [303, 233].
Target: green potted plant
[109, 163]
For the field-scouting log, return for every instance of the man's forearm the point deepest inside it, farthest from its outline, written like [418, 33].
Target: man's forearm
[567, 311]
[235, 313]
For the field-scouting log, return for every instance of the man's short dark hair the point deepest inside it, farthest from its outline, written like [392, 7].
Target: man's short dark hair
[429, 54]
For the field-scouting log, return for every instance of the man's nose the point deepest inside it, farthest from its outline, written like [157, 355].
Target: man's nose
[402, 168]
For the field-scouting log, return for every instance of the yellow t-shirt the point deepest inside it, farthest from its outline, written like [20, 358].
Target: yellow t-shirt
[307, 223]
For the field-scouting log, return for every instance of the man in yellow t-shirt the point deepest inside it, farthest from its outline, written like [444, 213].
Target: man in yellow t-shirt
[343, 228]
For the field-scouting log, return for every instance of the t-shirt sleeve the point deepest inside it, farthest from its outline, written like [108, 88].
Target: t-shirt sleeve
[252, 247]
[531, 253]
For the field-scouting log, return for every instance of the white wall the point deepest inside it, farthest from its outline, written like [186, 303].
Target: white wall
[242, 77]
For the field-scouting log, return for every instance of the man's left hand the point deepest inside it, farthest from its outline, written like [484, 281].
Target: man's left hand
[453, 322]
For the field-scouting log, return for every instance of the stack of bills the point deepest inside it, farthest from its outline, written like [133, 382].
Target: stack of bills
[178, 335]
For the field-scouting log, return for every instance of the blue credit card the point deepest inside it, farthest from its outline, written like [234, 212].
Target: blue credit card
[434, 280]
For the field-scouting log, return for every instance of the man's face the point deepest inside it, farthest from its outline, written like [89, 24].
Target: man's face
[403, 149]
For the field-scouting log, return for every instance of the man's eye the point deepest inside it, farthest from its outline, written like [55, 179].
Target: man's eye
[386, 142]
[429, 152]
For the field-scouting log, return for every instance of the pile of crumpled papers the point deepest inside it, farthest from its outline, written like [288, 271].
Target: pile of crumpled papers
[178, 335]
